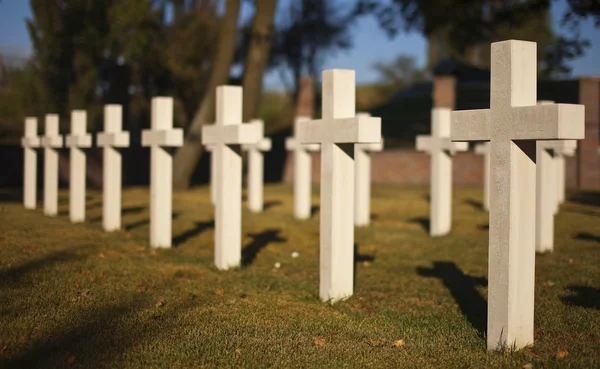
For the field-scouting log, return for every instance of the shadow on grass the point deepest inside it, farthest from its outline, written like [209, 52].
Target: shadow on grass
[12, 276]
[584, 296]
[360, 258]
[587, 237]
[422, 221]
[478, 205]
[271, 204]
[586, 198]
[124, 211]
[143, 222]
[190, 233]
[483, 227]
[98, 337]
[259, 242]
[314, 210]
[462, 288]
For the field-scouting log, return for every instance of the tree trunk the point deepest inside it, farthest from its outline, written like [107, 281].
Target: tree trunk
[187, 157]
[258, 55]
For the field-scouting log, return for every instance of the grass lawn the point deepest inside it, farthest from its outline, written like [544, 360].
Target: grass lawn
[74, 296]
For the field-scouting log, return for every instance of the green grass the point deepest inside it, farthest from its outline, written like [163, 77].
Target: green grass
[74, 296]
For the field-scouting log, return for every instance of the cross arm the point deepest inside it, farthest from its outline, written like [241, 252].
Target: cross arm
[458, 146]
[233, 134]
[31, 142]
[262, 145]
[481, 148]
[358, 129]
[548, 122]
[424, 143]
[115, 139]
[378, 146]
[52, 141]
[84, 141]
[291, 144]
[172, 137]
[471, 125]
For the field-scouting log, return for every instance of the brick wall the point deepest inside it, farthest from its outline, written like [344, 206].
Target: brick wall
[587, 156]
[407, 167]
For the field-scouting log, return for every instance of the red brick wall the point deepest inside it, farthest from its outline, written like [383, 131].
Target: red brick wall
[411, 168]
[587, 156]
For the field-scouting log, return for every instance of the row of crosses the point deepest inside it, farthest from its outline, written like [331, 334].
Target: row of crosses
[512, 126]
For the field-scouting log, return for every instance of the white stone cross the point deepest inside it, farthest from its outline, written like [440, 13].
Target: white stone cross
[30, 142]
[562, 149]
[484, 149]
[161, 135]
[441, 149]
[111, 140]
[76, 141]
[50, 142]
[362, 179]
[256, 164]
[213, 173]
[337, 131]
[226, 135]
[302, 171]
[512, 125]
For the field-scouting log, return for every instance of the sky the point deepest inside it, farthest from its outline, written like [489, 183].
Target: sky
[371, 44]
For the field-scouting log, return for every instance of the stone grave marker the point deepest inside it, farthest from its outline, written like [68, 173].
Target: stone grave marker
[337, 132]
[30, 141]
[362, 179]
[441, 150]
[161, 135]
[256, 163]
[111, 140]
[302, 171]
[483, 148]
[78, 140]
[513, 124]
[226, 136]
[50, 142]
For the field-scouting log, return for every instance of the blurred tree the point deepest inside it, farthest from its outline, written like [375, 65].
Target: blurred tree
[307, 32]
[582, 9]
[187, 157]
[398, 74]
[257, 56]
[465, 32]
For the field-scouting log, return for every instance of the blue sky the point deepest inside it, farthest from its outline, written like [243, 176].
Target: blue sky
[370, 43]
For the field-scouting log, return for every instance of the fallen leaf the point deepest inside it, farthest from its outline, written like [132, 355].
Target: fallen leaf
[562, 354]
[70, 359]
[528, 366]
[366, 263]
[550, 283]
[570, 260]
[398, 343]
[101, 255]
[152, 252]
[100, 275]
[220, 292]
[238, 351]
[161, 303]
[128, 235]
[318, 341]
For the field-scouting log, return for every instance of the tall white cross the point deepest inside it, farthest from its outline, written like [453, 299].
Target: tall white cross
[362, 179]
[30, 142]
[213, 173]
[337, 131]
[50, 142]
[161, 135]
[111, 140]
[76, 141]
[256, 164]
[226, 135]
[302, 171]
[441, 149]
[484, 149]
[512, 125]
